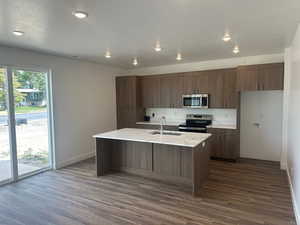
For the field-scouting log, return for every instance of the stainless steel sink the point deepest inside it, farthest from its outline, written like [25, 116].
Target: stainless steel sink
[165, 133]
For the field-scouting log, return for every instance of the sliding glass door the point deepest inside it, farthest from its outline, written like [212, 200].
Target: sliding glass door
[5, 159]
[26, 130]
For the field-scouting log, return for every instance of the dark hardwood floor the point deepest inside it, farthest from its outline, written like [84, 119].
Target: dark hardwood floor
[245, 193]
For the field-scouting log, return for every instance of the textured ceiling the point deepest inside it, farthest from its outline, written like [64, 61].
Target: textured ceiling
[130, 28]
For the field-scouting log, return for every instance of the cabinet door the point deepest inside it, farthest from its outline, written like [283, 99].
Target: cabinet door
[126, 118]
[126, 101]
[171, 87]
[126, 92]
[217, 145]
[231, 145]
[195, 83]
[202, 82]
[230, 95]
[176, 91]
[247, 78]
[215, 86]
[271, 76]
[150, 86]
[189, 84]
[165, 92]
[166, 160]
[225, 144]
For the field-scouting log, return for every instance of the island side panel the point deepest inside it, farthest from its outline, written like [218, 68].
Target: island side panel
[103, 155]
[201, 157]
[172, 164]
[131, 156]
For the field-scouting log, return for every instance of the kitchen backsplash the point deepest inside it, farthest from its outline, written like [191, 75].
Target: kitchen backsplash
[220, 116]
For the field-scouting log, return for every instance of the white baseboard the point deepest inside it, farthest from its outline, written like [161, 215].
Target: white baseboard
[74, 160]
[295, 206]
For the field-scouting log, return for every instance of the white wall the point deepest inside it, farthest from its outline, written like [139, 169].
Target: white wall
[83, 100]
[293, 120]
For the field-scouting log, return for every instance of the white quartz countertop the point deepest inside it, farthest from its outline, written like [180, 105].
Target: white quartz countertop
[176, 123]
[186, 139]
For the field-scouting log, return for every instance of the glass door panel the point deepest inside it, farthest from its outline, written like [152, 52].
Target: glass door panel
[31, 116]
[5, 158]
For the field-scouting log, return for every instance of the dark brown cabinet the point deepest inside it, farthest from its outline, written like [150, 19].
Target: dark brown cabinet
[230, 95]
[171, 90]
[150, 91]
[166, 159]
[270, 76]
[195, 83]
[129, 109]
[225, 144]
[247, 78]
[127, 154]
[215, 88]
[260, 77]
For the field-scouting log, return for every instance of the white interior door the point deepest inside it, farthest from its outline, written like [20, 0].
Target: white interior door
[261, 127]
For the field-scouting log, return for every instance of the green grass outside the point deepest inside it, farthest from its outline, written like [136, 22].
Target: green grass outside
[27, 109]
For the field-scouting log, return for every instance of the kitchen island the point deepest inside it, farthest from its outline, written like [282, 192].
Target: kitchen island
[174, 157]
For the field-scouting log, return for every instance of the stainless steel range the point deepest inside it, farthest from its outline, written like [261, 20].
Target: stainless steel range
[196, 123]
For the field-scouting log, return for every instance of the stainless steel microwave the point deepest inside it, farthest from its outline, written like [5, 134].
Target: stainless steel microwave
[195, 101]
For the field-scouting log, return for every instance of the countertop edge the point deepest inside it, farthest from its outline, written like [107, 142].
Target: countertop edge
[103, 136]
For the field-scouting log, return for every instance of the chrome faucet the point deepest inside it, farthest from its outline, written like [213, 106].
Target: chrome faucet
[162, 120]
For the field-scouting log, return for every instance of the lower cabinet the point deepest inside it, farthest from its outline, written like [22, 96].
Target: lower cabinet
[166, 159]
[137, 155]
[225, 144]
[166, 162]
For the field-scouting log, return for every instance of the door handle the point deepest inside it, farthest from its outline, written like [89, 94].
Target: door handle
[256, 124]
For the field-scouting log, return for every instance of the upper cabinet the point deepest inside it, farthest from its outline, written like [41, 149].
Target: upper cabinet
[230, 96]
[171, 90]
[215, 88]
[219, 84]
[129, 108]
[195, 83]
[270, 76]
[260, 77]
[150, 91]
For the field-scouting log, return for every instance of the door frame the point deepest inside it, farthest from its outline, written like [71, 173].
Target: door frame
[11, 122]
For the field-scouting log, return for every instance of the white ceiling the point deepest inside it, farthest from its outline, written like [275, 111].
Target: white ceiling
[131, 28]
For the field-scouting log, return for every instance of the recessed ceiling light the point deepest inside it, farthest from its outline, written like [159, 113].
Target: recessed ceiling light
[135, 62]
[18, 32]
[107, 54]
[226, 37]
[80, 14]
[157, 47]
[236, 49]
[179, 57]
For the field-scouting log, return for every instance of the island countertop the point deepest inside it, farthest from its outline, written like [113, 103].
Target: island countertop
[185, 139]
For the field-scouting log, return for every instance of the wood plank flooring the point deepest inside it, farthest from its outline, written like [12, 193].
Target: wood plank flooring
[244, 193]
